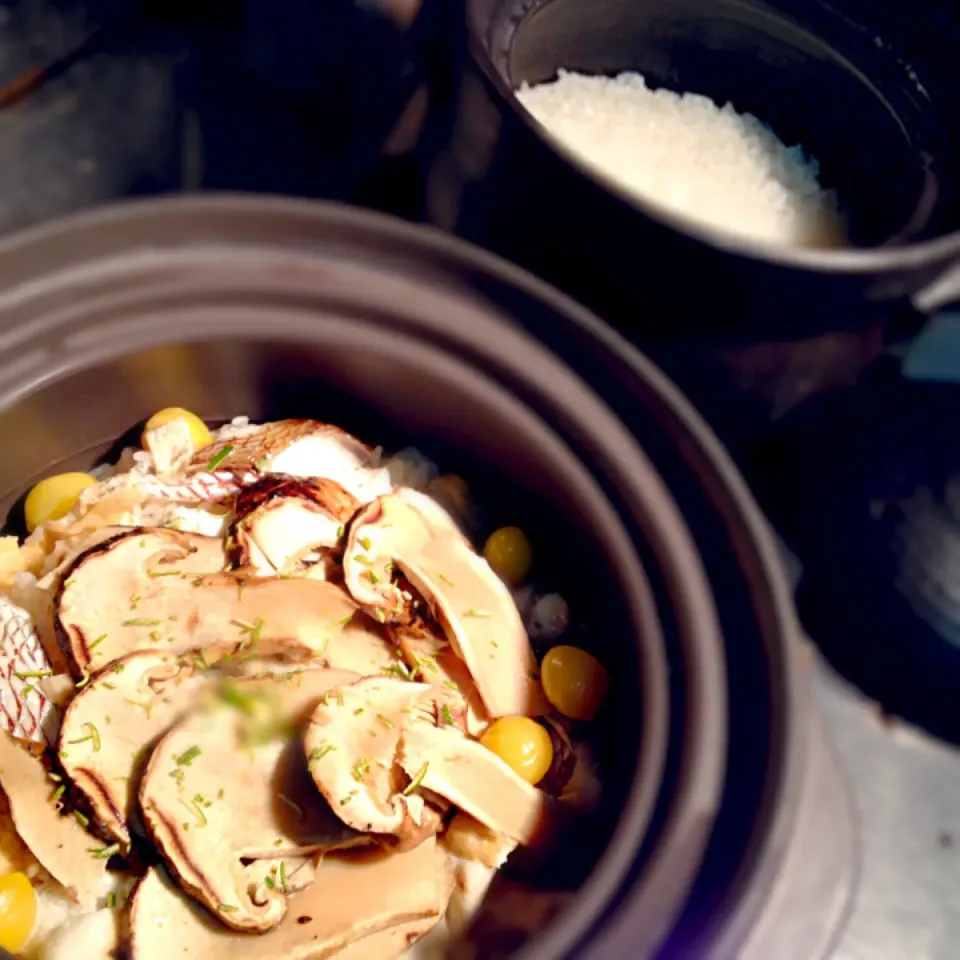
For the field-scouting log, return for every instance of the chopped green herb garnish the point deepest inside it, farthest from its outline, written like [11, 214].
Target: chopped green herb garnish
[358, 711]
[219, 457]
[446, 580]
[283, 877]
[59, 792]
[400, 670]
[104, 853]
[109, 686]
[476, 613]
[81, 819]
[96, 643]
[446, 715]
[92, 736]
[417, 780]
[144, 705]
[346, 619]
[118, 667]
[268, 880]
[226, 908]
[364, 542]
[360, 769]
[111, 900]
[140, 622]
[194, 808]
[28, 689]
[187, 757]
[163, 573]
[386, 721]
[318, 753]
[33, 674]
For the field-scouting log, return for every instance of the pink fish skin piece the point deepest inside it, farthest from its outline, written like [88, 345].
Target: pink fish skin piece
[199, 488]
[25, 711]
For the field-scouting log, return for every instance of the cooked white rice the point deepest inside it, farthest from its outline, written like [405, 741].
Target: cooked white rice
[707, 162]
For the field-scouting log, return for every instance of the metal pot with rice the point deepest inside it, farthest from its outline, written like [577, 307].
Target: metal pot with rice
[337, 337]
[755, 192]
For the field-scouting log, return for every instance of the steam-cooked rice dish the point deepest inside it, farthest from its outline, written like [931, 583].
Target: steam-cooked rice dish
[263, 698]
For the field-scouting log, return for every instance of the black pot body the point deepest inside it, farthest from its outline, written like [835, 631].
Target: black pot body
[872, 90]
[270, 308]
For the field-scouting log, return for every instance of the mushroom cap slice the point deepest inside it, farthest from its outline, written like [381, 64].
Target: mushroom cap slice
[353, 897]
[352, 744]
[278, 520]
[113, 722]
[59, 842]
[229, 783]
[299, 448]
[97, 609]
[26, 712]
[406, 530]
[220, 613]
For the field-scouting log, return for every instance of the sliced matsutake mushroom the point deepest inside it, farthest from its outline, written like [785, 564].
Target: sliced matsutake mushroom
[354, 897]
[229, 784]
[443, 761]
[280, 520]
[430, 659]
[98, 602]
[115, 602]
[407, 531]
[113, 722]
[352, 743]
[299, 448]
[60, 842]
[382, 750]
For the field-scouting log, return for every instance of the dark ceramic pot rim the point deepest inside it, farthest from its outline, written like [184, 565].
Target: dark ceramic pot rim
[842, 260]
[53, 264]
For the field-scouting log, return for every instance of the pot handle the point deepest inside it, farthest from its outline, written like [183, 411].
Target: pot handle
[934, 353]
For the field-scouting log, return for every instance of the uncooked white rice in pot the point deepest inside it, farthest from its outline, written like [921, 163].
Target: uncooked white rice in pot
[711, 163]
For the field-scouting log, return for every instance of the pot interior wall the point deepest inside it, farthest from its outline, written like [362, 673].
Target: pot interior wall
[886, 130]
[389, 398]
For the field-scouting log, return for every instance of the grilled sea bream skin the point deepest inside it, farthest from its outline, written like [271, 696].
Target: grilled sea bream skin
[26, 712]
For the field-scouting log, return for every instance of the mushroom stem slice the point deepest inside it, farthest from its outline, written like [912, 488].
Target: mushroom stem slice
[407, 532]
[112, 724]
[354, 896]
[59, 842]
[229, 784]
[352, 745]
[474, 779]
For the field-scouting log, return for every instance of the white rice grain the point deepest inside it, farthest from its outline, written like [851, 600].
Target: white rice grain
[706, 162]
